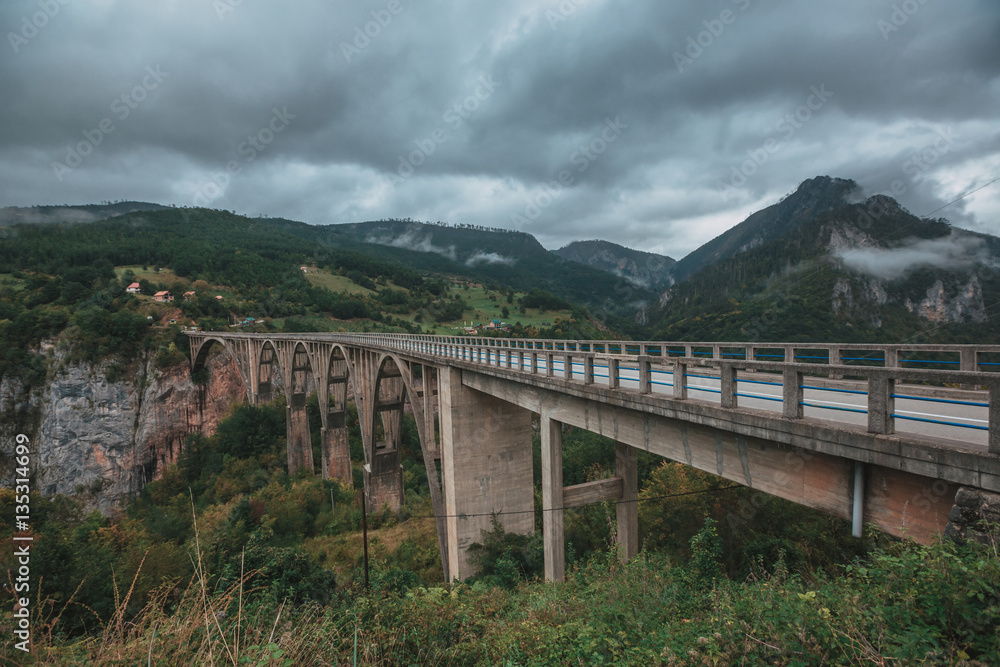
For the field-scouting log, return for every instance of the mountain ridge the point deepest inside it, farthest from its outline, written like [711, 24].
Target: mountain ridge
[644, 269]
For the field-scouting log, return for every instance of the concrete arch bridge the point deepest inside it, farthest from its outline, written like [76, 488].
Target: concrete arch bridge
[906, 437]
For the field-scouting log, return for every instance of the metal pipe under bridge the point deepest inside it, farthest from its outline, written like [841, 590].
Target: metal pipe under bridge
[905, 437]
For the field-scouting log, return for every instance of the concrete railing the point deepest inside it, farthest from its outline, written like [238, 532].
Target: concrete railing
[580, 358]
[964, 357]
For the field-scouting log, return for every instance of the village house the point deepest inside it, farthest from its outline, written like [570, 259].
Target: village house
[188, 296]
[133, 289]
[163, 297]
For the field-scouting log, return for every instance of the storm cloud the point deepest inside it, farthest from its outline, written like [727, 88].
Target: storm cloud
[654, 125]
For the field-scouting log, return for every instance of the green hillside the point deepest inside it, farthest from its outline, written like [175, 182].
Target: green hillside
[69, 280]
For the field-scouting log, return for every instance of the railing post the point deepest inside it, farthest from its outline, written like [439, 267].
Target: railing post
[834, 360]
[588, 369]
[790, 355]
[568, 365]
[644, 386]
[549, 366]
[727, 384]
[881, 405]
[891, 357]
[792, 393]
[969, 361]
[614, 372]
[680, 380]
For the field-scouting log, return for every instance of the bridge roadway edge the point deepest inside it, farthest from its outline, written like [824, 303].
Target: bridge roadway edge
[901, 452]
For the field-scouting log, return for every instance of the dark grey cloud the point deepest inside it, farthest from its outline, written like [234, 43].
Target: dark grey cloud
[499, 114]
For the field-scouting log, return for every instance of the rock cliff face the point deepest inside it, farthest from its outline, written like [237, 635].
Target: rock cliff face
[965, 305]
[174, 407]
[104, 440]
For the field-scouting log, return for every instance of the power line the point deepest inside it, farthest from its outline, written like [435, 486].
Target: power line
[962, 197]
[560, 509]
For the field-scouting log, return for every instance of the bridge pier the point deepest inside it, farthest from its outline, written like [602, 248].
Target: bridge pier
[298, 438]
[623, 488]
[553, 534]
[628, 504]
[384, 480]
[336, 450]
[486, 467]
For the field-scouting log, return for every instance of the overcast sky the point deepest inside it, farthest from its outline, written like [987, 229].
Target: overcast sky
[653, 124]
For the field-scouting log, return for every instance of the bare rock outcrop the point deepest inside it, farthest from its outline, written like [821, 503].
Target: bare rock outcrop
[104, 440]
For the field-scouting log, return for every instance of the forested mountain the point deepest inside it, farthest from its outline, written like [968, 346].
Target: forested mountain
[812, 198]
[511, 258]
[863, 272]
[644, 269]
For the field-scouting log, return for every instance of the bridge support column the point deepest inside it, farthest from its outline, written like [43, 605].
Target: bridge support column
[384, 481]
[486, 466]
[298, 439]
[553, 534]
[336, 454]
[628, 505]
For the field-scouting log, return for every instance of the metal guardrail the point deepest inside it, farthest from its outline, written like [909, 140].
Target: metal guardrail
[653, 359]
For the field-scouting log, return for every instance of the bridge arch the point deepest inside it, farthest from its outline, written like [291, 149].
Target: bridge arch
[334, 371]
[202, 350]
[267, 377]
[390, 388]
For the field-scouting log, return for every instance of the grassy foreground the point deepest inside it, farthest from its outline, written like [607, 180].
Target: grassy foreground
[904, 604]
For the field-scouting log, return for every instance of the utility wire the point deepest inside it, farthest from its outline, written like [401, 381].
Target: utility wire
[560, 509]
[972, 192]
